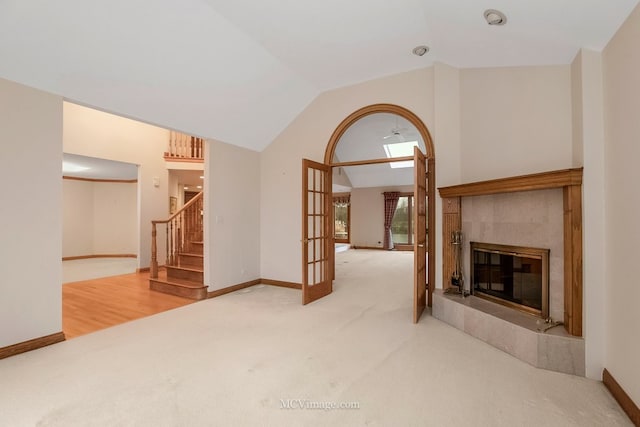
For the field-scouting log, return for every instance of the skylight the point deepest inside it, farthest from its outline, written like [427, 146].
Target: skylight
[400, 149]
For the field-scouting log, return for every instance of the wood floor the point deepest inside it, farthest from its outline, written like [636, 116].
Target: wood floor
[91, 305]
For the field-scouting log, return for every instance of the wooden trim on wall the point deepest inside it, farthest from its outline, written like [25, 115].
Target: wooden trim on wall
[281, 284]
[451, 221]
[161, 267]
[537, 181]
[372, 109]
[33, 344]
[371, 161]
[229, 289]
[621, 396]
[169, 158]
[572, 196]
[117, 181]
[71, 258]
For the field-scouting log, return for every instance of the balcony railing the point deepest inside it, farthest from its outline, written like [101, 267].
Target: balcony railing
[184, 148]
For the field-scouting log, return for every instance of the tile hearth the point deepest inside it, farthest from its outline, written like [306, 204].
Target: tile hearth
[513, 332]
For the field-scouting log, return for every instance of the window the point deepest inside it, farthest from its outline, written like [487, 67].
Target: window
[400, 149]
[341, 217]
[402, 223]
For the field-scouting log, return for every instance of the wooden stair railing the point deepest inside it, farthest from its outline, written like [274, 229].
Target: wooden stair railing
[184, 147]
[181, 229]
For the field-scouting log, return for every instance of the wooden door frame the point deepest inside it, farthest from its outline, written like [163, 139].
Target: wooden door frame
[373, 109]
[429, 155]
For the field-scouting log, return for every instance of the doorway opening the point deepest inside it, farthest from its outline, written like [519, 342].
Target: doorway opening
[110, 215]
[377, 149]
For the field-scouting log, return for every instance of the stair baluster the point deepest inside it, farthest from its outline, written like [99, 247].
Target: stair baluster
[172, 259]
[167, 258]
[184, 260]
[154, 252]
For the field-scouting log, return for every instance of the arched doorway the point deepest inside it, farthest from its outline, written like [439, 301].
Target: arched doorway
[373, 109]
[317, 192]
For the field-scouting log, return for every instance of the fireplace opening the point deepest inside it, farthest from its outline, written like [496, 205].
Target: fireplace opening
[514, 276]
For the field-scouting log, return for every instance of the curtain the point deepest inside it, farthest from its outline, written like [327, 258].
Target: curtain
[390, 205]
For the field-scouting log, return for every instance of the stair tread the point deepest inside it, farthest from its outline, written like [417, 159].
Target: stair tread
[192, 254]
[186, 268]
[181, 283]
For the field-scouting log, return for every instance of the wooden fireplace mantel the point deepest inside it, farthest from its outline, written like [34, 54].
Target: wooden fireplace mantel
[537, 181]
[570, 180]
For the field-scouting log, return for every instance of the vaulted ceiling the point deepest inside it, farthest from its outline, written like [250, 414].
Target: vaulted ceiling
[366, 139]
[240, 71]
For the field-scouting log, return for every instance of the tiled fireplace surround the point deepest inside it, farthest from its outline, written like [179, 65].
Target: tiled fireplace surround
[533, 211]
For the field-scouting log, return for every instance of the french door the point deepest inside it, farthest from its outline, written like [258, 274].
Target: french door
[317, 243]
[317, 232]
[420, 244]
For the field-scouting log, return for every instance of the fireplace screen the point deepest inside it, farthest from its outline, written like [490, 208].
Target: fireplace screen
[511, 275]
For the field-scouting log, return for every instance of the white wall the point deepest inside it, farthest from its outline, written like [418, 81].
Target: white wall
[99, 218]
[77, 218]
[576, 112]
[339, 177]
[367, 214]
[515, 121]
[621, 64]
[31, 165]
[447, 133]
[307, 137]
[115, 226]
[589, 151]
[93, 133]
[175, 189]
[232, 224]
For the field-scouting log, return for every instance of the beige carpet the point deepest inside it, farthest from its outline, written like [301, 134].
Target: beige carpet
[238, 359]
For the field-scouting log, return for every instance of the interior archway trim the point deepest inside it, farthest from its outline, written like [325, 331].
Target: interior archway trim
[373, 109]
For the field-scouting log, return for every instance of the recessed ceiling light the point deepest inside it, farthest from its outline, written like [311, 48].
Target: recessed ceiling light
[495, 17]
[199, 186]
[201, 176]
[420, 50]
[185, 188]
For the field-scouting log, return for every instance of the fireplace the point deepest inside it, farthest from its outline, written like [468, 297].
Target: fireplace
[514, 276]
[535, 211]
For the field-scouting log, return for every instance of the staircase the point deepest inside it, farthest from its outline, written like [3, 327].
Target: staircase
[183, 272]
